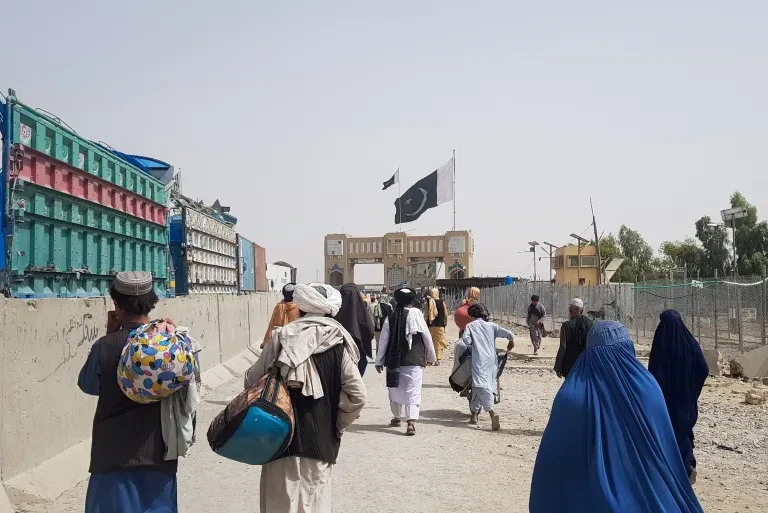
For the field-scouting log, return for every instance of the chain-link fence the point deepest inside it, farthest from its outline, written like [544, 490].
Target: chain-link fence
[729, 315]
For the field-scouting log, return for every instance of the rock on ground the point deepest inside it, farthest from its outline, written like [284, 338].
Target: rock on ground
[753, 364]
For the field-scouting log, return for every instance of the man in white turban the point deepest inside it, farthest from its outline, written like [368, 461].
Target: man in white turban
[573, 337]
[318, 359]
[317, 298]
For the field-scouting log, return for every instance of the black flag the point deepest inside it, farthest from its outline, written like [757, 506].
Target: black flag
[392, 181]
[429, 192]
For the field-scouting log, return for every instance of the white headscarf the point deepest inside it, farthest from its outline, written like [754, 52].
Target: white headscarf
[317, 298]
[577, 302]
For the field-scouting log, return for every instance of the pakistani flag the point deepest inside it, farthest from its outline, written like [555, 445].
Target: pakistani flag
[429, 192]
[392, 181]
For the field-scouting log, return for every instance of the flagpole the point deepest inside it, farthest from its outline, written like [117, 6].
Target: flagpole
[454, 190]
[399, 201]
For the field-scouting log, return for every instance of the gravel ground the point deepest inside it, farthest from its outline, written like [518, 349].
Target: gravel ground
[453, 467]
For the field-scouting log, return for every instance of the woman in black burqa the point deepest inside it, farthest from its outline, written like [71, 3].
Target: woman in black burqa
[677, 362]
[356, 318]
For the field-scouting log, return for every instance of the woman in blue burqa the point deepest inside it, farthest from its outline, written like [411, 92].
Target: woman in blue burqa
[679, 367]
[609, 446]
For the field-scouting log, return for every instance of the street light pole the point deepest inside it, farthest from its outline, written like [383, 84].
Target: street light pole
[533, 245]
[552, 248]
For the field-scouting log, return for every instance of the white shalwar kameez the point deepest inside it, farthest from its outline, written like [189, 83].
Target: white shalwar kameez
[408, 393]
[480, 336]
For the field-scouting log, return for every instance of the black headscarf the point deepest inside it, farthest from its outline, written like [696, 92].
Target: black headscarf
[397, 323]
[478, 311]
[679, 367]
[573, 341]
[356, 318]
[288, 292]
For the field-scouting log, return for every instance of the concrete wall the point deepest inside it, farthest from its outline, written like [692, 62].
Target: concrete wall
[44, 344]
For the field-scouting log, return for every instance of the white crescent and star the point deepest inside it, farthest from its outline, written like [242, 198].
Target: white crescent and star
[421, 207]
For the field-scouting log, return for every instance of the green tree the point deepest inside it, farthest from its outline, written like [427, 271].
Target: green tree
[686, 253]
[714, 240]
[638, 255]
[751, 238]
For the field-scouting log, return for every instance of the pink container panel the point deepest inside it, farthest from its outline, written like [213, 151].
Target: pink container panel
[48, 172]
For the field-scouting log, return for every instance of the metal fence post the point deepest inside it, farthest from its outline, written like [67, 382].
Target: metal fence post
[693, 315]
[728, 292]
[698, 311]
[645, 311]
[717, 329]
[763, 313]
[738, 319]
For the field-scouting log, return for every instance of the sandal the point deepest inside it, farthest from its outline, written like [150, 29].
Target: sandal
[395, 422]
[473, 419]
[495, 422]
[411, 429]
[436, 364]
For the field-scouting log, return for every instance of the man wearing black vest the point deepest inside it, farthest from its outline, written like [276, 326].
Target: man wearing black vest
[318, 360]
[128, 471]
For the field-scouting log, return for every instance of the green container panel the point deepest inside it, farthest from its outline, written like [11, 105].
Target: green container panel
[65, 248]
[32, 129]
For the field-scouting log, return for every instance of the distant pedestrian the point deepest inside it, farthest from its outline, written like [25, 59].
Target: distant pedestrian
[357, 320]
[679, 367]
[573, 338]
[609, 445]
[283, 313]
[405, 348]
[460, 316]
[129, 472]
[480, 336]
[318, 362]
[535, 322]
[437, 319]
[381, 311]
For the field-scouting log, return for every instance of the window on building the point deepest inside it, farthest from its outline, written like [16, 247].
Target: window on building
[573, 261]
[589, 261]
[394, 246]
[429, 246]
[559, 262]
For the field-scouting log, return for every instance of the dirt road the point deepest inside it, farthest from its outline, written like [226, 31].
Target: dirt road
[453, 467]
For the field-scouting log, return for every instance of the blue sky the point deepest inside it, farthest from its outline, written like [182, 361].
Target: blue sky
[293, 113]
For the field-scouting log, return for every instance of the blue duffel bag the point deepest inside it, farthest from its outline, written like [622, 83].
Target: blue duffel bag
[257, 425]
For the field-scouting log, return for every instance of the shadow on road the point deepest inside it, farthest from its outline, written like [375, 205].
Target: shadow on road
[521, 432]
[456, 415]
[375, 428]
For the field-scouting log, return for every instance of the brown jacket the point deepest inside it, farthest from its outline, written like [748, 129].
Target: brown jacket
[281, 315]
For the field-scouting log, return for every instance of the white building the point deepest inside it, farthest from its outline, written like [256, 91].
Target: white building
[278, 276]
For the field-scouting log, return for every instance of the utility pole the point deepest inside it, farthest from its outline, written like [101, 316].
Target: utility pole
[597, 243]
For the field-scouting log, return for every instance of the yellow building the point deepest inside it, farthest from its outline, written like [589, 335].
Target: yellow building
[573, 265]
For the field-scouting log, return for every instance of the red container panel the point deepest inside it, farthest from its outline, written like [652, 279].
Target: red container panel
[48, 172]
[260, 267]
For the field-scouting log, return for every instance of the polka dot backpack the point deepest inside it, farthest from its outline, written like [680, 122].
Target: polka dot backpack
[156, 361]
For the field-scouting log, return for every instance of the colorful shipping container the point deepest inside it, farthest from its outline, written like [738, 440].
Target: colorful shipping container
[204, 253]
[75, 212]
[246, 259]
